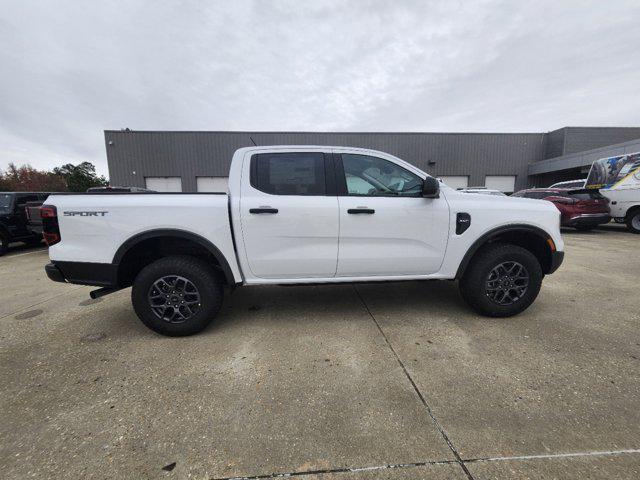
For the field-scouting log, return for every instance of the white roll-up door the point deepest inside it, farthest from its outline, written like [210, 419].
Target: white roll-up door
[504, 183]
[456, 181]
[164, 184]
[213, 184]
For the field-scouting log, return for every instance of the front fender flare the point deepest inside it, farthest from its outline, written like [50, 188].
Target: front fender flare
[491, 234]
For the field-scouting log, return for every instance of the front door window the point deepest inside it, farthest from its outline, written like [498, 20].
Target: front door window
[372, 176]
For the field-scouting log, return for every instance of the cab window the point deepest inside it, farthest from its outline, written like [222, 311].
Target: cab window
[289, 173]
[365, 175]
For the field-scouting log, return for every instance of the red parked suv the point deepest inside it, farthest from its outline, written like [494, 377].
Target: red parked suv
[581, 209]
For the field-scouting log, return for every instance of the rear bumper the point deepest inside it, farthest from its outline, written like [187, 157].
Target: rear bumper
[54, 273]
[588, 219]
[83, 273]
[556, 261]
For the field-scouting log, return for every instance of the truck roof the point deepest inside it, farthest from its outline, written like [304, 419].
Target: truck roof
[309, 147]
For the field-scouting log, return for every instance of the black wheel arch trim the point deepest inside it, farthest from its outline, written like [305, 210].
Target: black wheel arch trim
[177, 233]
[556, 257]
[631, 212]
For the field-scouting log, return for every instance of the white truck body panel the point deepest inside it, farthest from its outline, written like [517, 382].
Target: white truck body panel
[406, 242]
[96, 238]
[622, 199]
[489, 212]
[312, 239]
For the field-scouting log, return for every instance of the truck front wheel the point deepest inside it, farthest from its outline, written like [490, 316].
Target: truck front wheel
[502, 280]
[633, 221]
[177, 296]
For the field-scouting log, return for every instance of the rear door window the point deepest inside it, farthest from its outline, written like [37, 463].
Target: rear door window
[292, 173]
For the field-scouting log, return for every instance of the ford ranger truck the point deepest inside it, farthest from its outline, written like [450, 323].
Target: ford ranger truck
[301, 215]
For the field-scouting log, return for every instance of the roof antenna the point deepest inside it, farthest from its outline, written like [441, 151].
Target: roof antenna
[254, 143]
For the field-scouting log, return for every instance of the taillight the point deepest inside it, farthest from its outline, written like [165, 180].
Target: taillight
[50, 227]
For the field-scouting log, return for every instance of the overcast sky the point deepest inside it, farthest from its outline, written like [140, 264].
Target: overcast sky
[71, 69]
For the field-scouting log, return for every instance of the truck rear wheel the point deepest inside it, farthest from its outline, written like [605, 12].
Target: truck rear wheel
[177, 296]
[633, 221]
[502, 280]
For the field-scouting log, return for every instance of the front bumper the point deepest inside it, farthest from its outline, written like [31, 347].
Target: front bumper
[588, 220]
[556, 261]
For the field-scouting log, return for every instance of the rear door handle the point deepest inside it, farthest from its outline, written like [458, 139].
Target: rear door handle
[361, 210]
[263, 210]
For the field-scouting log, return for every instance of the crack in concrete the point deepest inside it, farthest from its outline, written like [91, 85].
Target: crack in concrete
[453, 449]
[554, 455]
[302, 473]
[391, 466]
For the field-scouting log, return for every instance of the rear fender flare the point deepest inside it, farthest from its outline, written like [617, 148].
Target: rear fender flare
[175, 233]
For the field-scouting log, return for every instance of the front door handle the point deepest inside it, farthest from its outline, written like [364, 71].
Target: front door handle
[263, 210]
[361, 210]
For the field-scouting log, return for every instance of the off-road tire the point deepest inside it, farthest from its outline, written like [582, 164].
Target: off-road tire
[201, 275]
[4, 243]
[473, 284]
[633, 221]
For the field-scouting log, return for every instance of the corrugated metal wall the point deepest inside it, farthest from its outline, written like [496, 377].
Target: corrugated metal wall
[580, 139]
[134, 155]
[554, 143]
[568, 140]
[583, 159]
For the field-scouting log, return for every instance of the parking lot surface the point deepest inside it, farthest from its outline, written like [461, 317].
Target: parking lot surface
[372, 381]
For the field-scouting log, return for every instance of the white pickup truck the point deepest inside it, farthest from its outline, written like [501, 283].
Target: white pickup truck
[301, 215]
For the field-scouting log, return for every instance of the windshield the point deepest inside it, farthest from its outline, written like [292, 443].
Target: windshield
[606, 172]
[5, 201]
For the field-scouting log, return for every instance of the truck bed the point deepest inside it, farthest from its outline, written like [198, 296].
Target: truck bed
[94, 226]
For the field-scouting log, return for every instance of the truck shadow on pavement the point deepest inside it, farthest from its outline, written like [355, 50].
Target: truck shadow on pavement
[415, 302]
[334, 303]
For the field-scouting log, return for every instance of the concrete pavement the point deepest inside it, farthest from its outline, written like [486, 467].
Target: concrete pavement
[373, 381]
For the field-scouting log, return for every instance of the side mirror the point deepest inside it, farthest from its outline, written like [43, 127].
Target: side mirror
[430, 188]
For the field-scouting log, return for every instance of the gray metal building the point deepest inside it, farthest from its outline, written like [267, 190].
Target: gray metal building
[199, 161]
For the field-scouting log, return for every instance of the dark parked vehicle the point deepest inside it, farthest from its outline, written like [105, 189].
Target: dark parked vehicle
[14, 224]
[34, 219]
[581, 209]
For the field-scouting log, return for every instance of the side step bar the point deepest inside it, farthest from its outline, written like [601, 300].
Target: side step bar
[101, 292]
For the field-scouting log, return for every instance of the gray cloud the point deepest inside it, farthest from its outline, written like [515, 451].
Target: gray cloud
[73, 69]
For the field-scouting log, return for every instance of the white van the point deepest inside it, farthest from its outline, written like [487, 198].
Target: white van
[618, 179]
